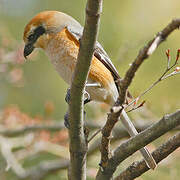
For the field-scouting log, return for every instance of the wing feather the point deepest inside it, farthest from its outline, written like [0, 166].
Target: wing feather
[99, 52]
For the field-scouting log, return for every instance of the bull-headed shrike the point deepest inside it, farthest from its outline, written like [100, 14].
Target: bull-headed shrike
[58, 34]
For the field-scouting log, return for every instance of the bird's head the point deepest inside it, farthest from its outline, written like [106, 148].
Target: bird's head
[38, 31]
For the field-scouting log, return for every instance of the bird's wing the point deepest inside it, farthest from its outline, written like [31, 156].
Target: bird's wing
[99, 52]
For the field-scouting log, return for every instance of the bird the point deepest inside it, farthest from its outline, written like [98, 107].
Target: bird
[59, 34]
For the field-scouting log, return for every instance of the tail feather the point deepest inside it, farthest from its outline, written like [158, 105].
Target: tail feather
[132, 130]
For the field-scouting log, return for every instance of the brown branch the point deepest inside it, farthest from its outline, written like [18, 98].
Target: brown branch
[78, 143]
[127, 148]
[124, 84]
[117, 134]
[136, 169]
[106, 136]
[144, 54]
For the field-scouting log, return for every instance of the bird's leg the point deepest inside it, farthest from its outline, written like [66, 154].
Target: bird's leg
[88, 98]
[66, 120]
[67, 99]
[66, 116]
[68, 96]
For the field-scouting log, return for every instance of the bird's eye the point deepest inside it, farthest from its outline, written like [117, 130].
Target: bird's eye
[31, 37]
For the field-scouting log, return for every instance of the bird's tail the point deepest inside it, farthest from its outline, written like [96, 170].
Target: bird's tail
[132, 132]
[130, 127]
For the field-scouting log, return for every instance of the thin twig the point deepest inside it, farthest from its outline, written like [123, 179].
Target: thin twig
[137, 107]
[161, 78]
[144, 54]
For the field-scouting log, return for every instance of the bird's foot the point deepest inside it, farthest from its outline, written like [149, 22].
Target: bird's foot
[68, 97]
[66, 119]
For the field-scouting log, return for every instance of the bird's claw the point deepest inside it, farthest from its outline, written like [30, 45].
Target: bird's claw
[66, 119]
[68, 96]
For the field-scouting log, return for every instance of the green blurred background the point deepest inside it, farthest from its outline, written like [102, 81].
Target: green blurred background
[126, 26]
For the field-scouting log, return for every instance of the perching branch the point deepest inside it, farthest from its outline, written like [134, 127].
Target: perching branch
[136, 169]
[78, 144]
[127, 148]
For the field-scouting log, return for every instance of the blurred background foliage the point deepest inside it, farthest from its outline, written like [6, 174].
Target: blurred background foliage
[126, 26]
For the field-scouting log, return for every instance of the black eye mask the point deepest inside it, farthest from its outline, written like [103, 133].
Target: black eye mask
[29, 47]
[36, 34]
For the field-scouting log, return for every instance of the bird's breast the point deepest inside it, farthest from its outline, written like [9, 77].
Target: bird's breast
[63, 51]
[63, 55]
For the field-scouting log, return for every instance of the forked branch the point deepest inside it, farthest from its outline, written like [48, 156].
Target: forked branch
[144, 53]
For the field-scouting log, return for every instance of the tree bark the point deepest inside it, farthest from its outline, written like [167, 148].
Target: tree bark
[127, 148]
[78, 143]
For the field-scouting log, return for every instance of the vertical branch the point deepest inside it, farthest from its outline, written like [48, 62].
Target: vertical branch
[78, 145]
[106, 135]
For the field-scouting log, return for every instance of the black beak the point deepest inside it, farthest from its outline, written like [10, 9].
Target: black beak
[28, 49]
